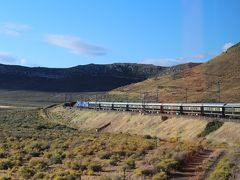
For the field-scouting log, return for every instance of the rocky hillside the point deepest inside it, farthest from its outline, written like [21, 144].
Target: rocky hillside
[217, 79]
[84, 78]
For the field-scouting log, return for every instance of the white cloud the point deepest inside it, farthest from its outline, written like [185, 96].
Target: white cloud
[13, 29]
[199, 58]
[23, 62]
[75, 45]
[226, 46]
[161, 61]
[7, 58]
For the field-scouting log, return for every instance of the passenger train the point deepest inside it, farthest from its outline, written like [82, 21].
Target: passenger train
[230, 110]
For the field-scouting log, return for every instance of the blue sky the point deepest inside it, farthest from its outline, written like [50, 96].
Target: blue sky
[72, 32]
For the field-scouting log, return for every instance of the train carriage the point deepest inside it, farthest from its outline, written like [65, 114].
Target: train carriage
[192, 109]
[213, 109]
[135, 107]
[153, 107]
[232, 110]
[82, 104]
[106, 105]
[172, 108]
[120, 106]
[94, 105]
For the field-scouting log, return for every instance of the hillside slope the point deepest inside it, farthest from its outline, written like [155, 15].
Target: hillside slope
[197, 84]
[183, 127]
[133, 123]
[84, 78]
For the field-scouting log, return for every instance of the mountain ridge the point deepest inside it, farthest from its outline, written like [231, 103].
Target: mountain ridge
[217, 80]
[79, 78]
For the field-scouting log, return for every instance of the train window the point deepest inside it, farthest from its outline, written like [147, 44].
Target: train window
[212, 109]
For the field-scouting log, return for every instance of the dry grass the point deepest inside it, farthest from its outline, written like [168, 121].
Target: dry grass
[201, 82]
[228, 133]
[32, 147]
[183, 127]
[134, 123]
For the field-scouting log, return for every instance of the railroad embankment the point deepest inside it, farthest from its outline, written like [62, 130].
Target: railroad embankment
[183, 127]
[134, 123]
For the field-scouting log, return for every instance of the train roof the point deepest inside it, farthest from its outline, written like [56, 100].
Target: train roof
[153, 104]
[135, 103]
[192, 104]
[171, 104]
[124, 103]
[232, 105]
[213, 104]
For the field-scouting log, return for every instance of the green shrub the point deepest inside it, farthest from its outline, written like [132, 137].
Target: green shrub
[3, 154]
[77, 165]
[5, 164]
[147, 172]
[105, 155]
[39, 175]
[67, 175]
[223, 170]
[114, 159]
[38, 164]
[26, 172]
[137, 172]
[95, 167]
[160, 176]
[147, 136]
[128, 164]
[55, 157]
[105, 178]
[211, 126]
[167, 165]
[5, 178]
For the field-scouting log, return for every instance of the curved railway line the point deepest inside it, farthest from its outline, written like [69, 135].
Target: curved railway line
[220, 110]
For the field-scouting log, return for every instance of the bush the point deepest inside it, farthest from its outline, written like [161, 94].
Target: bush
[105, 155]
[128, 164]
[5, 178]
[5, 164]
[39, 175]
[35, 149]
[55, 157]
[160, 176]
[223, 170]
[3, 154]
[95, 167]
[105, 178]
[147, 172]
[147, 136]
[167, 165]
[38, 164]
[211, 126]
[67, 175]
[78, 165]
[137, 172]
[113, 162]
[26, 172]
[164, 118]
[114, 159]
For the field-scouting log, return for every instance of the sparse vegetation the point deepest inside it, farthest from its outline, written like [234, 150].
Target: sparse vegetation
[59, 152]
[223, 170]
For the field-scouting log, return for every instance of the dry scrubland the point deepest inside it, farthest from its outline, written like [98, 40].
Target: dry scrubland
[62, 144]
[32, 147]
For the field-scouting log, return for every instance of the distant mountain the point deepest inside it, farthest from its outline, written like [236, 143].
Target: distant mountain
[217, 79]
[83, 78]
